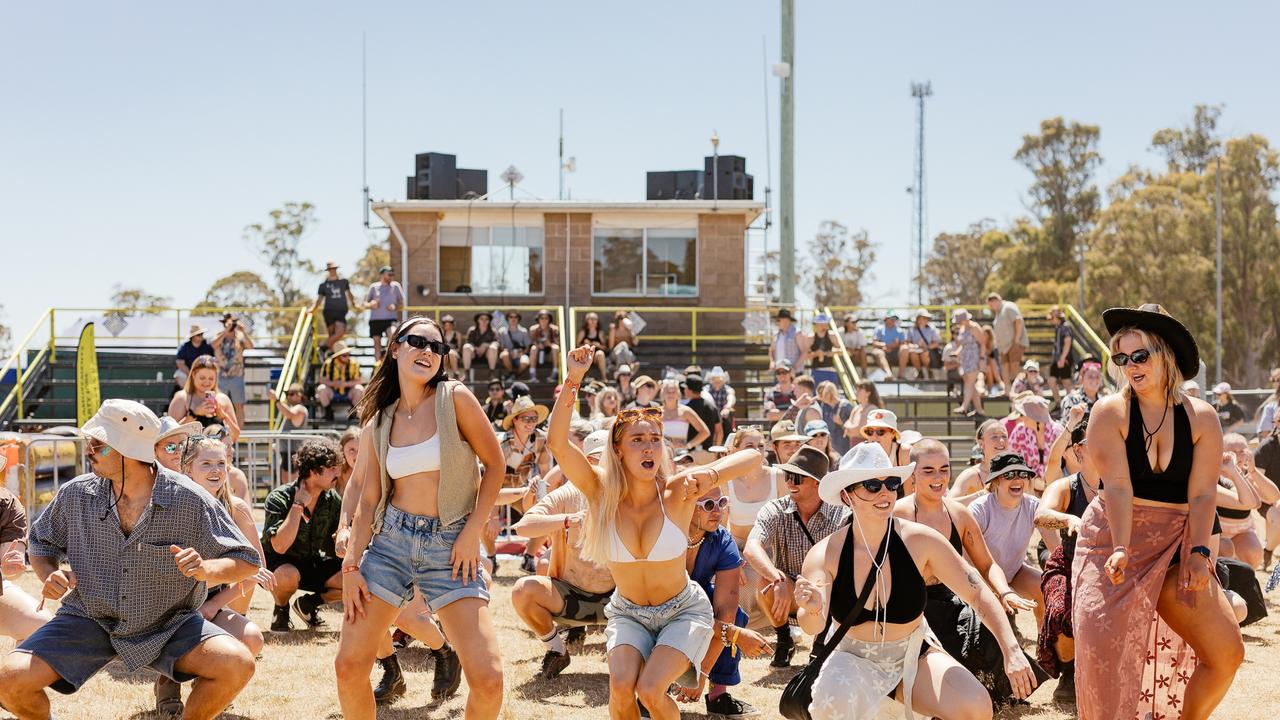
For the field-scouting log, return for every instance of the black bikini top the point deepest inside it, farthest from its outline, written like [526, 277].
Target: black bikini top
[907, 596]
[1169, 486]
[954, 537]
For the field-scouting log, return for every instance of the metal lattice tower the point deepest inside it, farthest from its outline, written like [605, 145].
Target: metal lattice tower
[919, 91]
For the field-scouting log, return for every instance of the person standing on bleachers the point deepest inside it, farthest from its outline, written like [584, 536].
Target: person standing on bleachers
[339, 380]
[1010, 334]
[334, 295]
[384, 300]
[790, 345]
[228, 349]
[194, 347]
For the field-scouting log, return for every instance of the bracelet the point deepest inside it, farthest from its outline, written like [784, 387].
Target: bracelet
[716, 473]
[1202, 550]
[350, 569]
[1008, 592]
[1121, 548]
[724, 634]
[570, 387]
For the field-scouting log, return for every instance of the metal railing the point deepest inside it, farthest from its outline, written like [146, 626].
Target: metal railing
[294, 369]
[258, 454]
[16, 396]
[845, 368]
[32, 466]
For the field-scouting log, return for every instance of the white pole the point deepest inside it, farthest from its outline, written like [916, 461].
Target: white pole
[1217, 202]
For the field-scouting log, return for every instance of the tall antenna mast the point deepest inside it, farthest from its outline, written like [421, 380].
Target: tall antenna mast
[560, 194]
[920, 91]
[364, 123]
[768, 168]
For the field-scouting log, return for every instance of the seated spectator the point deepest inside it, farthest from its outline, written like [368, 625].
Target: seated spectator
[1060, 363]
[574, 593]
[384, 300]
[992, 440]
[201, 401]
[786, 440]
[297, 536]
[882, 427]
[892, 342]
[482, 342]
[924, 344]
[789, 345]
[591, 334]
[1230, 414]
[607, 404]
[820, 437]
[20, 615]
[855, 342]
[777, 401]
[623, 341]
[171, 560]
[1033, 432]
[340, 377]
[1029, 380]
[515, 342]
[723, 399]
[293, 417]
[1192, 388]
[805, 406]
[622, 379]
[229, 347]
[717, 568]
[868, 400]
[1090, 387]
[1267, 412]
[646, 390]
[1254, 489]
[1006, 516]
[172, 435]
[835, 413]
[496, 406]
[194, 347]
[545, 348]
[452, 338]
[822, 350]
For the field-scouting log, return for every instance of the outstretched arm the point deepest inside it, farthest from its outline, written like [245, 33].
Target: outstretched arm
[721, 471]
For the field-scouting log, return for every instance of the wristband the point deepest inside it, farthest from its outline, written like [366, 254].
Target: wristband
[1123, 549]
[1008, 592]
[350, 569]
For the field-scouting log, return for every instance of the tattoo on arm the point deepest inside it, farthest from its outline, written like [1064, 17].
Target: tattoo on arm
[975, 581]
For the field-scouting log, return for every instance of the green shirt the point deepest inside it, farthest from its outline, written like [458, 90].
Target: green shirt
[315, 537]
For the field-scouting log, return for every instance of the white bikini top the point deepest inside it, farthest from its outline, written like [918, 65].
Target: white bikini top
[676, 429]
[671, 543]
[742, 512]
[412, 459]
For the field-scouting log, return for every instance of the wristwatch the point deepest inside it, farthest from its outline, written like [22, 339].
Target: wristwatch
[1202, 550]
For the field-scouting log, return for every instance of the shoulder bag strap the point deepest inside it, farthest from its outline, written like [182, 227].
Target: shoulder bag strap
[796, 514]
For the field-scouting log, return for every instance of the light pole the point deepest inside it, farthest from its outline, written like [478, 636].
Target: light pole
[1217, 207]
[786, 200]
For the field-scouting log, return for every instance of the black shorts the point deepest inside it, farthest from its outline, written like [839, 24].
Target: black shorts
[333, 317]
[380, 327]
[1061, 373]
[315, 571]
[581, 608]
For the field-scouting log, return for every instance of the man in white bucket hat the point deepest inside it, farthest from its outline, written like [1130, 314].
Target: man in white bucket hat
[143, 543]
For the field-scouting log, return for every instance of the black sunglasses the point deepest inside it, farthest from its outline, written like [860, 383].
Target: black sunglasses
[1137, 357]
[873, 486]
[422, 343]
[1020, 474]
[796, 478]
[710, 505]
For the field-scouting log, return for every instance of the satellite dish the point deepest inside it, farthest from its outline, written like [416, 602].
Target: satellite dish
[511, 176]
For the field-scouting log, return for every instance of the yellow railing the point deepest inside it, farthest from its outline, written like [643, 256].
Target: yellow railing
[14, 362]
[845, 368]
[1078, 320]
[293, 369]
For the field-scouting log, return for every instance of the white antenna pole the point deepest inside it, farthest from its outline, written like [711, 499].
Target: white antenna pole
[364, 124]
[560, 194]
[768, 165]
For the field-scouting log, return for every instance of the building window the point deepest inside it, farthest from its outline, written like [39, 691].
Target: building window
[649, 262]
[491, 260]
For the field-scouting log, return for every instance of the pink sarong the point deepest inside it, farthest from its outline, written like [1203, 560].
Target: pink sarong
[1129, 663]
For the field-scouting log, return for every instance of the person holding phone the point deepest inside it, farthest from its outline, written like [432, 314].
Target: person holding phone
[229, 347]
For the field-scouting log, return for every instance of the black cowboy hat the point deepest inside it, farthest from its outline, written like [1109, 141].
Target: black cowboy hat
[783, 313]
[1155, 319]
[1005, 463]
[808, 461]
[477, 316]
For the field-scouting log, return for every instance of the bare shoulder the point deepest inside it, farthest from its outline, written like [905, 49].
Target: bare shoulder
[1110, 409]
[240, 508]
[960, 514]
[1202, 414]
[921, 540]
[905, 508]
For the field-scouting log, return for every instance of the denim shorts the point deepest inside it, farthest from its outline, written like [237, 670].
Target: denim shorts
[233, 387]
[77, 648]
[413, 550]
[685, 622]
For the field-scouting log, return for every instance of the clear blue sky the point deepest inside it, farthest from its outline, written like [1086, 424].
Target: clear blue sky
[138, 139]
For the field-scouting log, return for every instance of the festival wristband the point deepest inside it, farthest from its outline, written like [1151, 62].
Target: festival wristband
[566, 522]
[1120, 548]
[350, 569]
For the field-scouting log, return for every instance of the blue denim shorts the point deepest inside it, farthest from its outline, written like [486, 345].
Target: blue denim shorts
[685, 622]
[413, 550]
[233, 387]
[77, 648]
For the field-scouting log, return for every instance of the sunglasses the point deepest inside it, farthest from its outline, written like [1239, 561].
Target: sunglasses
[171, 447]
[877, 432]
[1019, 475]
[96, 447]
[1137, 357]
[796, 478]
[528, 419]
[422, 343]
[710, 505]
[892, 484]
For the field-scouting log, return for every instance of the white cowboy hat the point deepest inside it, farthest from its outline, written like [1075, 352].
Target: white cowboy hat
[881, 418]
[866, 461]
[126, 426]
[910, 437]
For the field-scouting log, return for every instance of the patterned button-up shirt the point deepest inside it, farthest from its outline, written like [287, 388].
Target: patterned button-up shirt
[130, 585]
[778, 530]
[315, 536]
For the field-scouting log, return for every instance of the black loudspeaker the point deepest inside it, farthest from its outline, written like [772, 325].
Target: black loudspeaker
[660, 185]
[728, 179]
[437, 176]
[472, 183]
[411, 188]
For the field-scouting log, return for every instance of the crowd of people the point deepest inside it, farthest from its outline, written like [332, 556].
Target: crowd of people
[647, 509]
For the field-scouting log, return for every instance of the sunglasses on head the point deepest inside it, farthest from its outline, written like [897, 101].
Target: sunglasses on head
[422, 343]
[710, 505]
[874, 486]
[632, 415]
[1137, 357]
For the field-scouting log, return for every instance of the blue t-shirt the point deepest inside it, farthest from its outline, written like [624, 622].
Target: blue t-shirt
[889, 336]
[717, 553]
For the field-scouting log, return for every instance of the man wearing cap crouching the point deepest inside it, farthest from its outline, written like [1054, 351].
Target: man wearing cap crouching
[575, 591]
[384, 300]
[784, 531]
[143, 543]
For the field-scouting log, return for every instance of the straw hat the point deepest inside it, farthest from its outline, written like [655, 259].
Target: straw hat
[1155, 319]
[642, 381]
[194, 331]
[785, 431]
[522, 405]
[881, 418]
[340, 348]
[866, 461]
[126, 426]
[172, 428]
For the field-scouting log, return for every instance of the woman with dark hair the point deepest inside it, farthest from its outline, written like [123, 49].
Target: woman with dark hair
[453, 339]
[200, 400]
[422, 511]
[592, 335]
[1144, 569]
[638, 512]
[868, 399]
[482, 342]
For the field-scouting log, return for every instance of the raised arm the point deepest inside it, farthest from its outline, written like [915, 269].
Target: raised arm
[721, 471]
[1053, 464]
[572, 462]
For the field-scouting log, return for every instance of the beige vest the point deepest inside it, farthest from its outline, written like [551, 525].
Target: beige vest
[459, 470]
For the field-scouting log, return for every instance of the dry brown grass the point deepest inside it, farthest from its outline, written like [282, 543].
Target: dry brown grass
[295, 678]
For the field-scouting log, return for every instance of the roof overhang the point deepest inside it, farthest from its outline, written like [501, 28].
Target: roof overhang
[749, 208]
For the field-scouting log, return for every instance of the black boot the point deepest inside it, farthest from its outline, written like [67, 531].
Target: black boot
[1066, 690]
[448, 673]
[392, 684]
[280, 619]
[785, 648]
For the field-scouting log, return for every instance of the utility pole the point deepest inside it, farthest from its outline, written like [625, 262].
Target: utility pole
[786, 200]
[560, 194]
[920, 91]
[1217, 333]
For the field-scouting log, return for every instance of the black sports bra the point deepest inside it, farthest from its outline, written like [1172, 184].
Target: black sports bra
[1232, 513]
[1169, 486]
[907, 597]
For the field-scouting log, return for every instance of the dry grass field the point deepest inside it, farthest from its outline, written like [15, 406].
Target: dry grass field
[295, 678]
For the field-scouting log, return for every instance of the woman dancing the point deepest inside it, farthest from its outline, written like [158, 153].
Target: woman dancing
[660, 621]
[888, 650]
[1144, 546]
[423, 506]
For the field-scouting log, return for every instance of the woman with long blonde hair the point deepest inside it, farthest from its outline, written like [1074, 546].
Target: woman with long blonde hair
[607, 404]
[638, 511]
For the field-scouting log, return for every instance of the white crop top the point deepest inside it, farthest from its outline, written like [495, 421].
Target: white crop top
[742, 512]
[411, 459]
